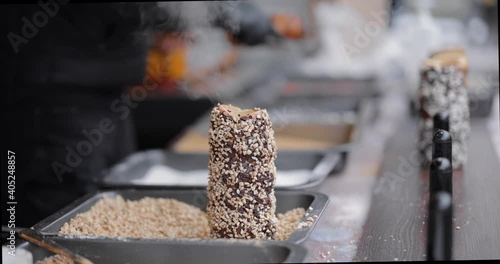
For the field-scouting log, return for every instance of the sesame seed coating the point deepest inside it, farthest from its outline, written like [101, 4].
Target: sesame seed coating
[158, 218]
[242, 174]
[442, 88]
[145, 218]
[55, 259]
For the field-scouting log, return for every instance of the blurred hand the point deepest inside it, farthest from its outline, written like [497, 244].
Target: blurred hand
[254, 25]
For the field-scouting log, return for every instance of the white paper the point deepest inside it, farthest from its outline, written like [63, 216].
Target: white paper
[164, 175]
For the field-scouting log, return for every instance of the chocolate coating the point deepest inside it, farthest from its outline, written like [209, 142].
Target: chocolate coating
[442, 89]
[242, 174]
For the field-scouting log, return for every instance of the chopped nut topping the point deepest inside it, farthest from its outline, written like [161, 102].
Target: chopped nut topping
[241, 136]
[55, 259]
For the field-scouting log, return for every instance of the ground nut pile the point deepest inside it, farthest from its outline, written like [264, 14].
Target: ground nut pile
[242, 174]
[158, 218]
[144, 218]
[288, 222]
[82, 224]
[56, 259]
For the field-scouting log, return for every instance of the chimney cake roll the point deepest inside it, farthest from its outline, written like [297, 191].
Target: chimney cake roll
[242, 174]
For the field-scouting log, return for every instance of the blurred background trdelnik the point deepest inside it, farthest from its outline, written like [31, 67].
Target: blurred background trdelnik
[342, 46]
[324, 69]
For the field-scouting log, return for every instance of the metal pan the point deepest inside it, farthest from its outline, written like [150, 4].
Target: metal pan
[105, 251]
[158, 168]
[335, 121]
[329, 111]
[325, 110]
[302, 85]
[314, 204]
[334, 113]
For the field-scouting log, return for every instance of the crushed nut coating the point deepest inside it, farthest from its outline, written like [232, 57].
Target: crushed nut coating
[443, 88]
[242, 174]
[288, 223]
[159, 218]
[145, 218]
[55, 259]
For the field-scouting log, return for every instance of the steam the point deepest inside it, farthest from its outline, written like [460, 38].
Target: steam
[193, 14]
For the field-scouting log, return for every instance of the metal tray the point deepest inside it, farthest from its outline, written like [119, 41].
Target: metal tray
[319, 162]
[325, 110]
[328, 110]
[101, 251]
[332, 112]
[158, 168]
[303, 85]
[314, 204]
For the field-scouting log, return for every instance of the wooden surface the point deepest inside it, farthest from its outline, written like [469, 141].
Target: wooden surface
[289, 137]
[395, 228]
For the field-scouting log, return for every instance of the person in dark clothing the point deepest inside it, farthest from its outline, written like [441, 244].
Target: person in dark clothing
[67, 115]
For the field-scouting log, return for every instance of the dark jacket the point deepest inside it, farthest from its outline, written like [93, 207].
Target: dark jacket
[96, 45]
[99, 46]
[89, 46]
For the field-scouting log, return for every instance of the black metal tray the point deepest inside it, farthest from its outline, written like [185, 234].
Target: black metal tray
[101, 251]
[314, 204]
[318, 107]
[315, 108]
[132, 172]
[303, 85]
